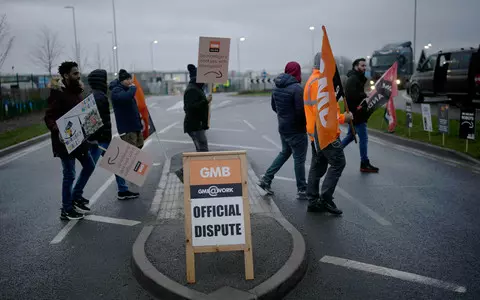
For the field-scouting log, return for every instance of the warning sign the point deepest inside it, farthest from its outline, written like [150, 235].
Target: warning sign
[213, 57]
[217, 209]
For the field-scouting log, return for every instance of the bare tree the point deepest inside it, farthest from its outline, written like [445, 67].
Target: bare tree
[84, 62]
[6, 41]
[48, 50]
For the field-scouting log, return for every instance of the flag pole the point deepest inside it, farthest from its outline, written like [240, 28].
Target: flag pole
[351, 122]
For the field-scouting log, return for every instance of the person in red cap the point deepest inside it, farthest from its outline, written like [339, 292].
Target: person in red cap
[287, 103]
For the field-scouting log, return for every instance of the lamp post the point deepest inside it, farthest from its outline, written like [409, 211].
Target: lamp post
[242, 39]
[77, 54]
[151, 53]
[312, 29]
[113, 52]
[415, 30]
[115, 47]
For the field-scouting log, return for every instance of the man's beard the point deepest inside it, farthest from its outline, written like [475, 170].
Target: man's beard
[75, 86]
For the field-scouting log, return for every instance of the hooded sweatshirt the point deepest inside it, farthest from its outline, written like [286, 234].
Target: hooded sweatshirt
[97, 80]
[287, 102]
[355, 93]
[125, 107]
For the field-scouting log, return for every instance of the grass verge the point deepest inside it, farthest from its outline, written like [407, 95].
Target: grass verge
[254, 93]
[12, 137]
[452, 141]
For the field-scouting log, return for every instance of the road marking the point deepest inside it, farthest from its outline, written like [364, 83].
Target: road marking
[157, 199]
[164, 130]
[271, 141]
[221, 104]
[176, 106]
[23, 152]
[220, 145]
[109, 220]
[218, 129]
[157, 164]
[363, 207]
[351, 264]
[347, 196]
[63, 233]
[249, 125]
[152, 105]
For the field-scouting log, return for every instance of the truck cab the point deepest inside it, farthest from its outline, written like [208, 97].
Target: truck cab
[453, 74]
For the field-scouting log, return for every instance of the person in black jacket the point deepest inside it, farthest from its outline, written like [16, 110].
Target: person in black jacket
[355, 94]
[287, 103]
[65, 94]
[196, 107]
[97, 80]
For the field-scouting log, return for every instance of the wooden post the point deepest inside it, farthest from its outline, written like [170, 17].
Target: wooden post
[466, 146]
[429, 137]
[247, 252]
[443, 139]
[409, 132]
[190, 255]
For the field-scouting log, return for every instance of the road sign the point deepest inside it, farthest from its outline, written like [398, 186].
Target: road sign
[217, 208]
[127, 161]
[467, 124]
[427, 118]
[408, 112]
[213, 57]
[443, 122]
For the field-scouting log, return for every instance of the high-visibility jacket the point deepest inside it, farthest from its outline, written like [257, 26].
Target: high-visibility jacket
[310, 93]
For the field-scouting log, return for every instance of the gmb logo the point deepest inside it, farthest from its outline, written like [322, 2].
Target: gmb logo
[213, 191]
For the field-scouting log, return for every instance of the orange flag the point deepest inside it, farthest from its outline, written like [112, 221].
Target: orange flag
[326, 125]
[142, 107]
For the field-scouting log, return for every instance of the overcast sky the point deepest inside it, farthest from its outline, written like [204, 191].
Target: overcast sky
[276, 31]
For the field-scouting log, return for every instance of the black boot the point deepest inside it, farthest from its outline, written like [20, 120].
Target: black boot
[366, 167]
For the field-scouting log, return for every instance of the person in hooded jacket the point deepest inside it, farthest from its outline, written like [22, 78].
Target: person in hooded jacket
[355, 94]
[127, 115]
[196, 107]
[287, 103]
[65, 94]
[97, 80]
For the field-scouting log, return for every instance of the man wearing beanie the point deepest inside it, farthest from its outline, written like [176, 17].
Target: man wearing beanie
[196, 107]
[129, 124]
[97, 80]
[287, 103]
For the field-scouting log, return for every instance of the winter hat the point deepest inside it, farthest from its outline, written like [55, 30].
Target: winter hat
[294, 69]
[123, 75]
[97, 80]
[192, 70]
[316, 60]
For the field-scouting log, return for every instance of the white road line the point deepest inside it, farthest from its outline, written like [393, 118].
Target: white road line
[351, 264]
[218, 129]
[249, 125]
[347, 196]
[363, 207]
[164, 130]
[152, 105]
[63, 233]
[220, 145]
[9, 158]
[221, 104]
[157, 164]
[109, 220]
[176, 106]
[271, 141]
[157, 199]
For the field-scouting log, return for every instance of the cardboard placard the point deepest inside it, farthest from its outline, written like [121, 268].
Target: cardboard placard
[467, 124]
[443, 122]
[127, 161]
[213, 57]
[427, 118]
[79, 123]
[217, 208]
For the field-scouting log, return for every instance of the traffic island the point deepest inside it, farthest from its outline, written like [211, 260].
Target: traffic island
[159, 254]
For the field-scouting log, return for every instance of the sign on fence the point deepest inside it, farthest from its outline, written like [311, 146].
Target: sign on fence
[217, 209]
[127, 161]
[427, 118]
[79, 123]
[467, 124]
[408, 111]
[443, 123]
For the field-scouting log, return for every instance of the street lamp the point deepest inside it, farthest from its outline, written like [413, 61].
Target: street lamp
[242, 39]
[312, 29]
[115, 33]
[151, 53]
[429, 45]
[77, 54]
[113, 51]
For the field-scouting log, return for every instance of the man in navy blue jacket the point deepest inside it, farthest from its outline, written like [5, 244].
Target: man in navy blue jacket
[129, 124]
[287, 102]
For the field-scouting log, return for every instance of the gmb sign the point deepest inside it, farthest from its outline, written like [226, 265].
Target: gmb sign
[217, 209]
[213, 56]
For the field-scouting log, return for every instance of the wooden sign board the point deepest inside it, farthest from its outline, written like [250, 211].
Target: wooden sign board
[217, 209]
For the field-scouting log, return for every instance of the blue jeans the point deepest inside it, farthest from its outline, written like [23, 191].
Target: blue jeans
[362, 132]
[68, 164]
[95, 152]
[291, 143]
[332, 155]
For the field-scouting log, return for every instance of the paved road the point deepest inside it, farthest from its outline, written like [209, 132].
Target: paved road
[418, 215]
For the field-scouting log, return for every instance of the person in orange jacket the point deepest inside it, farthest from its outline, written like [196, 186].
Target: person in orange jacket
[331, 155]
